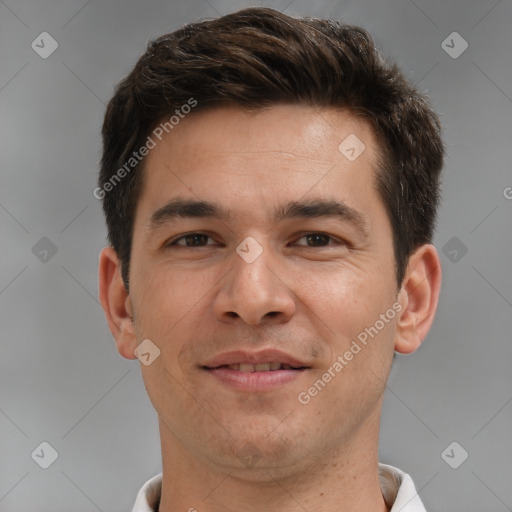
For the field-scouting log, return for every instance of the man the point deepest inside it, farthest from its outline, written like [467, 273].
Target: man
[270, 187]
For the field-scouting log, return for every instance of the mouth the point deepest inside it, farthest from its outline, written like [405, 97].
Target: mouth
[262, 371]
[259, 367]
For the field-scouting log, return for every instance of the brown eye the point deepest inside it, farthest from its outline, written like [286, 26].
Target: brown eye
[316, 240]
[192, 240]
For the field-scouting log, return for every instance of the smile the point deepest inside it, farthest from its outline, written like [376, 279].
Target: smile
[260, 367]
[254, 378]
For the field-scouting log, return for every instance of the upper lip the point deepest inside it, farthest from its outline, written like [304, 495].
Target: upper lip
[245, 357]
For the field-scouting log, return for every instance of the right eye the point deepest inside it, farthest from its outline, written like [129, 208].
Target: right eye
[191, 240]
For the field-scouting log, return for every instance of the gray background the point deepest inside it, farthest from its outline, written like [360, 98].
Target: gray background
[61, 379]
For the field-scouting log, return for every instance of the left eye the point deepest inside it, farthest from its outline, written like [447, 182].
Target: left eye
[192, 240]
[316, 239]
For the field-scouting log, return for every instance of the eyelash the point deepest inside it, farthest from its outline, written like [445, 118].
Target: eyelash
[183, 237]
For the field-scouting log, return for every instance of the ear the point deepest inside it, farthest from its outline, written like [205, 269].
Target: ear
[116, 303]
[418, 296]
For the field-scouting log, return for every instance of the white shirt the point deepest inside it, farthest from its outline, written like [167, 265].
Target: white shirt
[397, 488]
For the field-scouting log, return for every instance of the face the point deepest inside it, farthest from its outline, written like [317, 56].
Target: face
[259, 244]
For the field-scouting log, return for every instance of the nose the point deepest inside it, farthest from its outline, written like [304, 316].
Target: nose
[254, 293]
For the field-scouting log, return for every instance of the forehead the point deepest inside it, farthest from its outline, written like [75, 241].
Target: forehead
[283, 150]
[295, 129]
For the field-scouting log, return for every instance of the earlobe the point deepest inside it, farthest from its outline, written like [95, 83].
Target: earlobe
[419, 297]
[116, 303]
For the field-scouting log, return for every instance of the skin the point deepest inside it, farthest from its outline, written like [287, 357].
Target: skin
[309, 297]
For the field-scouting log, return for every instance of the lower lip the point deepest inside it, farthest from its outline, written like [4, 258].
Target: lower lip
[255, 381]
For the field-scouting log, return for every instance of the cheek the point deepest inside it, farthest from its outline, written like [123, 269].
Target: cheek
[168, 296]
[344, 300]
[346, 309]
[347, 313]
[168, 305]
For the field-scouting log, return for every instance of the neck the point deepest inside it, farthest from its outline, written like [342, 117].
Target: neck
[342, 480]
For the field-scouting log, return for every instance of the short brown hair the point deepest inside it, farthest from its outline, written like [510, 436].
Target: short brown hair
[259, 57]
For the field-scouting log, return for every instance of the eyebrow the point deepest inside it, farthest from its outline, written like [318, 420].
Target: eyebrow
[186, 208]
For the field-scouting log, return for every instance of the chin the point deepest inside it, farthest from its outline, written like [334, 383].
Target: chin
[254, 453]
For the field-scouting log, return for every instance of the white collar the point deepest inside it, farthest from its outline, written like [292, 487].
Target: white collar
[397, 488]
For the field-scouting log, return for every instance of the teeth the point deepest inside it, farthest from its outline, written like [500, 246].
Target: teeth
[260, 367]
